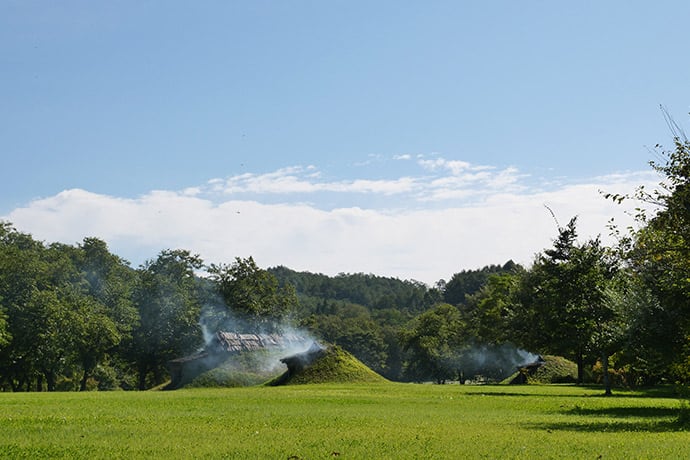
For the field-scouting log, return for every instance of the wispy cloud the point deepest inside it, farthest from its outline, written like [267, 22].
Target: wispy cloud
[298, 180]
[437, 179]
[480, 215]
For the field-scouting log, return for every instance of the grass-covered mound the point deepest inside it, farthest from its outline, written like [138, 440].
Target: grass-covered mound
[242, 370]
[554, 369]
[327, 365]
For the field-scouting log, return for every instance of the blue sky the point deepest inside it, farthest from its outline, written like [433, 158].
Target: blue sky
[409, 139]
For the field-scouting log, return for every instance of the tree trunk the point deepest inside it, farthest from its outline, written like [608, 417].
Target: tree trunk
[143, 370]
[605, 369]
[50, 380]
[580, 368]
[84, 378]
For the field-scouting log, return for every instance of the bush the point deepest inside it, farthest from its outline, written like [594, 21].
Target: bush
[106, 378]
[617, 377]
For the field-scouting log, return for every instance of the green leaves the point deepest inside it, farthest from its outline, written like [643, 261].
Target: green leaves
[253, 293]
[434, 341]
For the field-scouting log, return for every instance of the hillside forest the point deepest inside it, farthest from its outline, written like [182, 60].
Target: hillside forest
[79, 317]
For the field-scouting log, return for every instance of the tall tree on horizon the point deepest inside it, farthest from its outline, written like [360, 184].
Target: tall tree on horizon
[561, 301]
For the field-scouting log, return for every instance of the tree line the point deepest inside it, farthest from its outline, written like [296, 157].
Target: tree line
[78, 317]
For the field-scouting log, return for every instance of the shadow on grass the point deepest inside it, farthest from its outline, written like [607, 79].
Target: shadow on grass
[622, 419]
[614, 418]
[665, 392]
[627, 412]
[526, 395]
[614, 427]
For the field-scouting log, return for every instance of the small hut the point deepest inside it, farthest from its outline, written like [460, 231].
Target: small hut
[222, 346]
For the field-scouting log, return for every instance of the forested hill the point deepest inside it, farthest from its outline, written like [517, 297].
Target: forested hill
[468, 282]
[371, 291]
[381, 293]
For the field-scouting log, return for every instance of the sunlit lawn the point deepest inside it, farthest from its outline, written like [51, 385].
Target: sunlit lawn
[344, 421]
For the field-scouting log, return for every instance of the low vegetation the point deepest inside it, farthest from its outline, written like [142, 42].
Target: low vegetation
[384, 420]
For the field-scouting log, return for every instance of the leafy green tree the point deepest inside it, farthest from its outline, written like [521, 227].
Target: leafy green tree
[93, 334]
[51, 324]
[561, 302]
[167, 300]
[253, 294]
[5, 336]
[23, 278]
[488, 311]
[434, 343]
[111, 282]
[658, 255]
[89, 331]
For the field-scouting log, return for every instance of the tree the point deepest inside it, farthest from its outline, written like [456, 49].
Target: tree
[5, 336]
[93, 333]
[487, 312]
[657, 253]
[561, 301]
[253, 294]
[110, 282]
[434, 344]
[24, 283]
[51, 337]
[167, 300]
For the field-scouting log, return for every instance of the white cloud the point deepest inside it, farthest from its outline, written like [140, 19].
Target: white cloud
[507, 221]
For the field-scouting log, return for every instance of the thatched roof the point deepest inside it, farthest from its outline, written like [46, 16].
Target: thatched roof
[234, 342]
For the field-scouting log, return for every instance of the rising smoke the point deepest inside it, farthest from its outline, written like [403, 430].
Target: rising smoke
[239, 367]
[492, 362]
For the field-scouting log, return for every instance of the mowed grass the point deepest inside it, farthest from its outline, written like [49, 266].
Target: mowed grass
[356, 421]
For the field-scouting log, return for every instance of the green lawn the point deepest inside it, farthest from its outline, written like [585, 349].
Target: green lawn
[396, 421]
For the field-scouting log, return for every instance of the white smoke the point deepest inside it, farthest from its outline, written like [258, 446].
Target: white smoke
[493, 362]
[216, 317]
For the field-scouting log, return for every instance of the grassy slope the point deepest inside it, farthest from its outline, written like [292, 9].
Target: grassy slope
[336, 366]
[356, 421]
[556, 369]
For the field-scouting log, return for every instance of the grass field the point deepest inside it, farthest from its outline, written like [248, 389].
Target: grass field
[397, 421]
